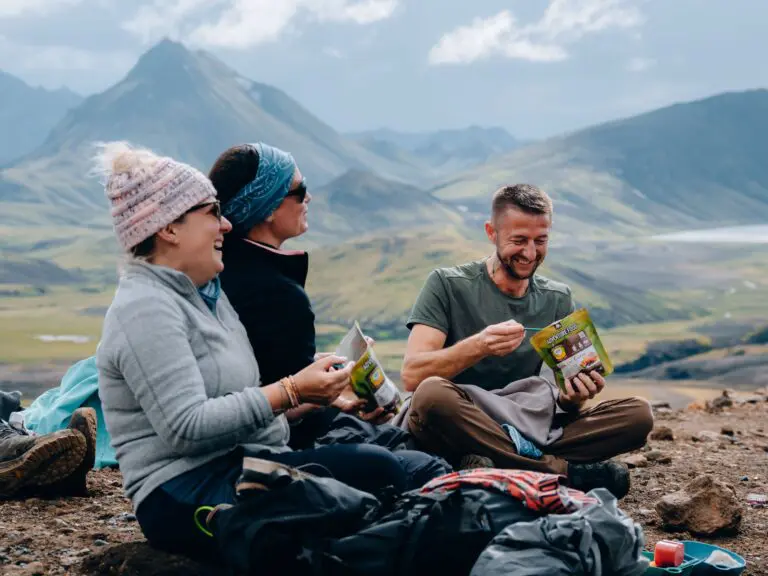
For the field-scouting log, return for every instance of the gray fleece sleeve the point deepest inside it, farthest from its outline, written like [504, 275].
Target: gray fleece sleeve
[157, 362]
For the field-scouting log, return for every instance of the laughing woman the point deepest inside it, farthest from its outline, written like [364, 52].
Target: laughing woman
[265, 196]
[182, 392]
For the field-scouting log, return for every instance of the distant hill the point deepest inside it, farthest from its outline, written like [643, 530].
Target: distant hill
[361, 203]
[376, 278]
[28, 114]
[445, 151]
[188, 105]
[686, 165]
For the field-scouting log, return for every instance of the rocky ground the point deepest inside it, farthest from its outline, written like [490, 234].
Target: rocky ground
[698, 469]
[721, 448]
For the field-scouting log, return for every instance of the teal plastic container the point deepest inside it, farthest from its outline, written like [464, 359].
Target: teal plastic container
[685, 569]
[701, 552]
[695, 554]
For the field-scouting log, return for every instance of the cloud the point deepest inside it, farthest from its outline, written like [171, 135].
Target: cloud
[12, 8]
[29, 58]
[564, 22]
[640, 64]
[241, 24]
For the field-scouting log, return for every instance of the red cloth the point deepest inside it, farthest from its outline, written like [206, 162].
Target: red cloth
[538, 491]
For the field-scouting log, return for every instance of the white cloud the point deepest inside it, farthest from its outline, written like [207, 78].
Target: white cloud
[640, 64]
[242, 24]
[359, 12]
[564, 22]
[17, 58]
[11, 8]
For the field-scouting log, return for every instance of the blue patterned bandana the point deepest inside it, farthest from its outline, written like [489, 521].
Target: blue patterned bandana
[259, 198]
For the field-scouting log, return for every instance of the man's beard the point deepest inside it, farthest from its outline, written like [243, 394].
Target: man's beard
[510, 270]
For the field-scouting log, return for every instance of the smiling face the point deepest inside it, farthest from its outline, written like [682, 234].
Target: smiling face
[290, 218]
[198, 239]
[521, 240]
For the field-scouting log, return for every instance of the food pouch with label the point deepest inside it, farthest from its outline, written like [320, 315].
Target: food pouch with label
[572, 345]
[369, 381]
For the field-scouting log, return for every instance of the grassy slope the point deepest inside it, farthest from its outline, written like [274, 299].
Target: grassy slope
[65, 311]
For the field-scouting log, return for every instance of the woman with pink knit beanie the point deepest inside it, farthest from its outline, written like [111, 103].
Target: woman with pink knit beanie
[180, 387]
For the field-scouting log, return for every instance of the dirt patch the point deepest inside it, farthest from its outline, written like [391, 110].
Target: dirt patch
[99, 535]
[740, 460]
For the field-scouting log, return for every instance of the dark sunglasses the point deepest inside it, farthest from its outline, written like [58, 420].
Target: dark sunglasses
[300, 192]
[215, 210]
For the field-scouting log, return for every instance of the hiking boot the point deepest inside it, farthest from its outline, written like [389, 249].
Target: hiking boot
[262, 475]
[610, 475]
[472, 461]
[30, 462]
[84, 421]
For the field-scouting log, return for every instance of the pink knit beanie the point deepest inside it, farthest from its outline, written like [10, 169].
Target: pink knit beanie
[147, 192]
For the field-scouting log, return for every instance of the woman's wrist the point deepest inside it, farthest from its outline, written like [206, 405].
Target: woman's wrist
[290, 389]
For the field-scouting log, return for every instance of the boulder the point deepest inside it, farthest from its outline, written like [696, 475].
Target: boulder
[635, 461]
[727, 430]
[722, 401]
[705, 507]
[658, 456]
[662, 433]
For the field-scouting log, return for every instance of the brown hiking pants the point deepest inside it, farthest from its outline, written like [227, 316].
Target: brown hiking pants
[444, 421]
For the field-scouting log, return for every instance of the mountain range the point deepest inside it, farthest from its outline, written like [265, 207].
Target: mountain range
[28, 114]
[361, 203]
[388, 206]
[694, 164]
[188, 105]
[691, 164]
[447, 151]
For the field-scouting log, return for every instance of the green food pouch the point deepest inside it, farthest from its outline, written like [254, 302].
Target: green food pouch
[369, 381]
[571, 346]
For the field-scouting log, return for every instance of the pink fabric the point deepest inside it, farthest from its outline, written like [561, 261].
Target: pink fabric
[144, 203]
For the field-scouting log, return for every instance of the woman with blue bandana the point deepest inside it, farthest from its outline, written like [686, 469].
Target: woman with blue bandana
[265, 197]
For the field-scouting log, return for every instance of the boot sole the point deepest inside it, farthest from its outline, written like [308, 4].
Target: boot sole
[84, 421]
[52, 458]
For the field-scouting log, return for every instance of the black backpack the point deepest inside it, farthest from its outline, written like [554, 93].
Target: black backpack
[312, 525]
[436, 533]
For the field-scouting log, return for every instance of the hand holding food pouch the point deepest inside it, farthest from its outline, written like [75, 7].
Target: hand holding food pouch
[571, 346]
[368, 378]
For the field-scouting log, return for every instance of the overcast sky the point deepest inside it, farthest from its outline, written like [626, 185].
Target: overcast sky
[535, 67]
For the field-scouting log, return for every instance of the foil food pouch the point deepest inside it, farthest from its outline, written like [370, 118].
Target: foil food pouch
[571, 346]
[369, 381]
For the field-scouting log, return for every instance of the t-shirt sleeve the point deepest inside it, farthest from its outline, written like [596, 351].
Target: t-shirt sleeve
[432, 307]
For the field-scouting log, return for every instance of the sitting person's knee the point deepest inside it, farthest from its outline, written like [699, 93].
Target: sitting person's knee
[421, 467]
[640, 418]
[435, 397]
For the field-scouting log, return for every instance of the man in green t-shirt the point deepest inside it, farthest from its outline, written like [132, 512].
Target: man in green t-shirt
[468, 327]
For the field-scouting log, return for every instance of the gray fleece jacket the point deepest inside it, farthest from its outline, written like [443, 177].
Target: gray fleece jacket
[178, 384]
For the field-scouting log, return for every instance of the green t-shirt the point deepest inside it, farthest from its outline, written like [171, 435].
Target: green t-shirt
[462, 300]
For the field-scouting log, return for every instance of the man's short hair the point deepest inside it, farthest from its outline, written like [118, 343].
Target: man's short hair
[524, 197]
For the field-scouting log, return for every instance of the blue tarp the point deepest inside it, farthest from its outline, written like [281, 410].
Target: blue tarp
[52, 410]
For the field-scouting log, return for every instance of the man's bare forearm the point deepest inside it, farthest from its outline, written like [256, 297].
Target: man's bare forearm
[446, 363]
